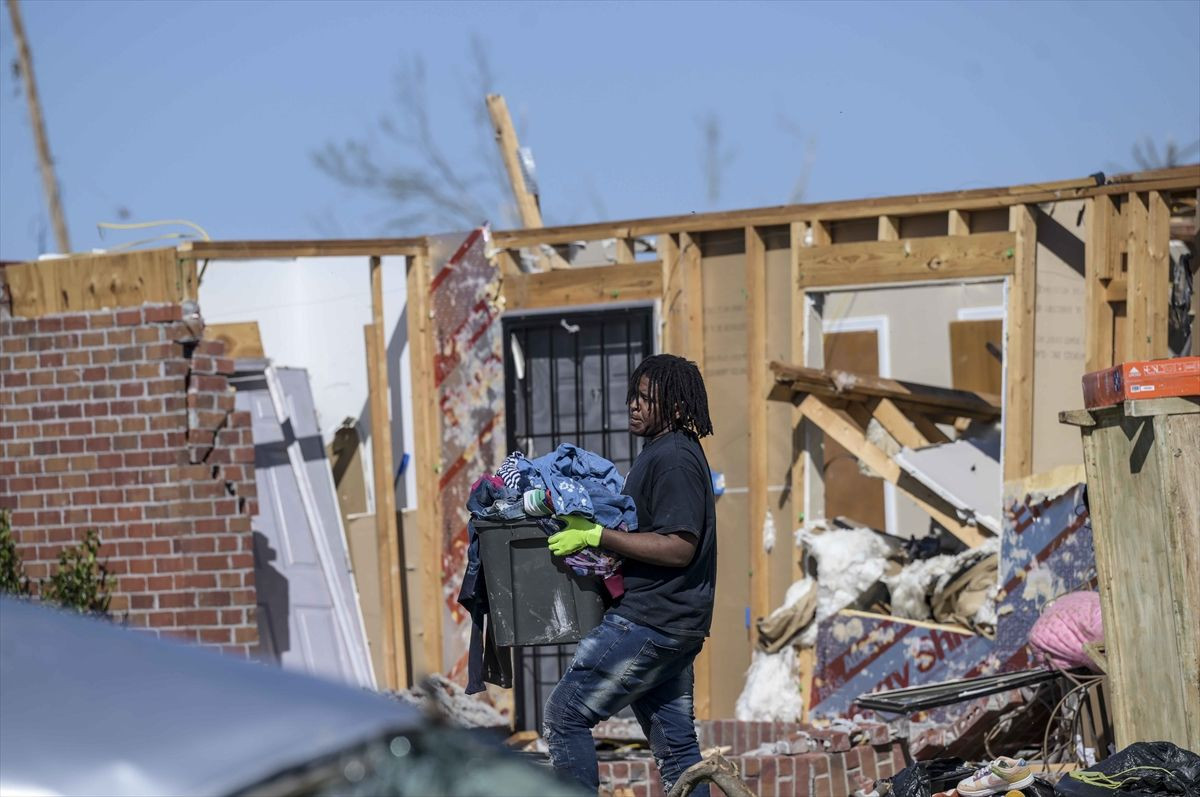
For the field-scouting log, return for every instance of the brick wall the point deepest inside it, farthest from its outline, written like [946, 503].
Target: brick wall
[121, 421]
[817, 762]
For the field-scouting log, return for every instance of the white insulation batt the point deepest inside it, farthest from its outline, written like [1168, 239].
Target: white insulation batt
[772, 690]
[849, 562]
[912, 587]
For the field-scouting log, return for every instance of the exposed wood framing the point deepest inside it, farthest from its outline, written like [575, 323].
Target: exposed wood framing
[1180, 178]
[1020, 337]
[1099, 269]
[628, 282]
[899, 425]
[756, 389]
[797, 234]
[889, 228]
[928, 429]
[268, 250]
[506, 259]
[1149, 275]
[853, 438]
[689, 254]
[92, 282]
[387, 532]
[625, 250]
[958, 223]
[912, 259]
[427, 460]
[674, 297]
[689, 333]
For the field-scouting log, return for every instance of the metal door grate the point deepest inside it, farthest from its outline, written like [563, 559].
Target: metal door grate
[565, 378]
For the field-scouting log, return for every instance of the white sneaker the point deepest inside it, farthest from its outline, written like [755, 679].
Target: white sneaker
[999, 776]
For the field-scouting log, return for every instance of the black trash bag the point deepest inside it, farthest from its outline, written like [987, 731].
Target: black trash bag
[945, 773]
[1140, 769]
[912, 781]
[924, 778]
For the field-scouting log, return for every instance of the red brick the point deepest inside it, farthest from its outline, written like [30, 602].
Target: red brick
[157, 314]
[216, 635]
[129, 317]
[177, 600]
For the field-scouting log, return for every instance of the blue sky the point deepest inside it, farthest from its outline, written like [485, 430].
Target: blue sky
[211, 111]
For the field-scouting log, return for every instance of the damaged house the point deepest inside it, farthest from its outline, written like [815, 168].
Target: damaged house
[897, 498]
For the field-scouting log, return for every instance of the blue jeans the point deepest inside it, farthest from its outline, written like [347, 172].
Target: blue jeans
[619, 664]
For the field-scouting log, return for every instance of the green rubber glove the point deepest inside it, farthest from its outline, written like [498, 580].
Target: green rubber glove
[579, 534]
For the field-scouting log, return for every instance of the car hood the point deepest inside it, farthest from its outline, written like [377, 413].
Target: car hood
[90, 707]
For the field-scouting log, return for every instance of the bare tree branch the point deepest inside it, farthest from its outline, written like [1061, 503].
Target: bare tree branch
[409, 169]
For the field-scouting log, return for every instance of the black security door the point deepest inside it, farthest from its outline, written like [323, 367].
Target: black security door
[566, 375]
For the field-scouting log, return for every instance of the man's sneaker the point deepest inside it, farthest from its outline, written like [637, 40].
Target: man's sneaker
[996, 778]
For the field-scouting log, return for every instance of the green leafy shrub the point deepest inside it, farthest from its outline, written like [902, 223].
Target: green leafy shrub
[12, 571]
[81, 581]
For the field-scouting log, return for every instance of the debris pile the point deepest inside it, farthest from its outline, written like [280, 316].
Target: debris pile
[437, 695]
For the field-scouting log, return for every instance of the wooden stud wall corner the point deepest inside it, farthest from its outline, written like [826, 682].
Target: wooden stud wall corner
[1100, 266]
[387, 533]
[756, 378]
[1020, 339]
[427, 461]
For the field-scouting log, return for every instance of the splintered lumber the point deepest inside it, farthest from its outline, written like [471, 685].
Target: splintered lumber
[506, 139]
[840, 427]
[861, 387]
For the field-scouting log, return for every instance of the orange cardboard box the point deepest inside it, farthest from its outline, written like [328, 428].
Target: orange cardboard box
[1143, 379]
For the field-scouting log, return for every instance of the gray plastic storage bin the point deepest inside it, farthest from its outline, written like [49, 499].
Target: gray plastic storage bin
[533, 598]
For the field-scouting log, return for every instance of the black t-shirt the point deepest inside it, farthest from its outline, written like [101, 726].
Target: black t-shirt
[671, 486]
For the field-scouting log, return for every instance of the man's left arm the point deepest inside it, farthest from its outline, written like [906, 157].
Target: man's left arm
[678, 506]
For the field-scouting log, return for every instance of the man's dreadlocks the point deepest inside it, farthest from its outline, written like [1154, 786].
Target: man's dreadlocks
[677, 389]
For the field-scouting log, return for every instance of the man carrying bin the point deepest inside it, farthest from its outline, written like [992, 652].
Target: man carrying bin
[641, 654]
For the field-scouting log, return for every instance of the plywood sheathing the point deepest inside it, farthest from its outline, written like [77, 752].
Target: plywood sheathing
[94, 282]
